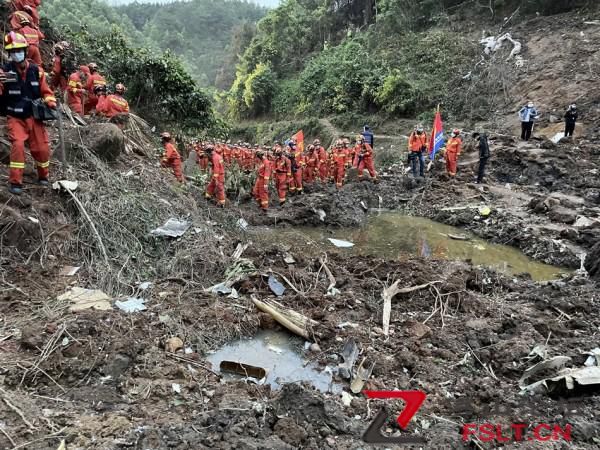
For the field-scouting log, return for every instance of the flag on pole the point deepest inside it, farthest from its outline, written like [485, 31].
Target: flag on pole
[299, 138]
[437, 135]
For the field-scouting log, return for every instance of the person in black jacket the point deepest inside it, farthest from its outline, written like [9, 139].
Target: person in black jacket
[570, 119]
[484, 154]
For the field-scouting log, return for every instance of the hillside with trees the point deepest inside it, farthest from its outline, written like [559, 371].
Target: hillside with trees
[208, 35]
[393, 57]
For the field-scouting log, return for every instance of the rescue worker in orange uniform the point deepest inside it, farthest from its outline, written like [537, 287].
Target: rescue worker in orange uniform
[349, 150]
[22, 82]
[298, 164]
[339, 159]
[112, 105]
[322, 154]
[216, 186]
[263, 175]
[171, 157]
[59, 75]
[283, 172]
[312, 165]
[201, 156]
[32, 35]
[16, 20]
[363, 159]
[30, 7]
[453, 150]
[76, 90]
[417, 146]
[93, 82]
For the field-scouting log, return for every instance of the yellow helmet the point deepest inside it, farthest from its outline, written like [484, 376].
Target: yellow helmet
[15, 41]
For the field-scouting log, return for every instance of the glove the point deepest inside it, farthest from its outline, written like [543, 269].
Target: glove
[51, 104]
[266, 186]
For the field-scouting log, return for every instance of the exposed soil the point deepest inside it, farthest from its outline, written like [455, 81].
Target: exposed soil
[103, 379]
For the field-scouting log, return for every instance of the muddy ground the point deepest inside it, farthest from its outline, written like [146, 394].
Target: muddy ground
[103, 380]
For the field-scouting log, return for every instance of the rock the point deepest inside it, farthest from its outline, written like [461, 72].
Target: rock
[419, 330]
[563, 215]
[477, 324]
[290, 432]
[118, 365]
[105, 140]
[173, 344]
[315, 348]
[31, 338]
[592, 262]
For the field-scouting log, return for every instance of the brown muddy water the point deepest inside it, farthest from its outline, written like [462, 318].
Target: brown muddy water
[394, 235]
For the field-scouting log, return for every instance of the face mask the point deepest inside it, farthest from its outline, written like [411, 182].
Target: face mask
[18, 56]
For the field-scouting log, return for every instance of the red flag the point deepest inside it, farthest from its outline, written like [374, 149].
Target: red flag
[299, 139]
[437, 135]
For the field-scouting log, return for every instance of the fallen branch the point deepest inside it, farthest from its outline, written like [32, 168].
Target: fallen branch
[293, 321]
[7, 435]
[390, 292]
[91, 222]
[332, 281]
[50, 436]
[191, 362]
[17, 410]
[294, 288]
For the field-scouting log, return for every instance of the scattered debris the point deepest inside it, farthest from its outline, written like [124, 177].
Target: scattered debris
[288, 259]
[459, 237]
[390, 292]
[485, 211]
[33, 219]
[242, 224]
[172, 228]
[276, 287]
[350, 354]
[176, 388]
[65, 185]
[594, 358]
[363, 373]
[340, 243]
[68, 271]
[131, 305]
[145, 285]
[346, 398]
[245, 370]
[173, 344]
[83, 299]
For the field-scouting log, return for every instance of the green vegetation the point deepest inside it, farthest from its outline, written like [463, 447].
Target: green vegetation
[208, 34]
[393, 57]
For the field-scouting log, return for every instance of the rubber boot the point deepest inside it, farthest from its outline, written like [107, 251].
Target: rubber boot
[15, 189]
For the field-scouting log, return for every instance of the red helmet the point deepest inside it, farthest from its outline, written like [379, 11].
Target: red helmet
[455, 131]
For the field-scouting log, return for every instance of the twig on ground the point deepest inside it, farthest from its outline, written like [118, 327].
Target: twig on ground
[50, 436]
[16, 410]
[390, 292]
[7, 435]
[191, 362]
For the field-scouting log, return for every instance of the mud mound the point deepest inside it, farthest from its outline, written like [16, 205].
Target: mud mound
[592, 262]
[105, 140]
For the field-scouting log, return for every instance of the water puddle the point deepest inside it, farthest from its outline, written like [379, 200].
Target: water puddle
[280, 354]
[393, 235]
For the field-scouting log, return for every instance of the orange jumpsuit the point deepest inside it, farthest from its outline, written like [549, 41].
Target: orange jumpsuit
[216, 186]
[283, 172]
[363, 159]
[21, 126]
[171, 158]
[33, 36]
[93, 81]
[312, 167]
[349, 155]
[261, 186]
[339, 160]
[75, 93]
[201, 158]
[298, 164]
[20, 5]
[453, 149]
[111, 105]
[15, 19]
[58, 78]
[323, 169]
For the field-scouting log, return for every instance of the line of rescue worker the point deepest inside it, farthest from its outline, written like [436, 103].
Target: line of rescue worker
[286, 165]
[25, 92]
